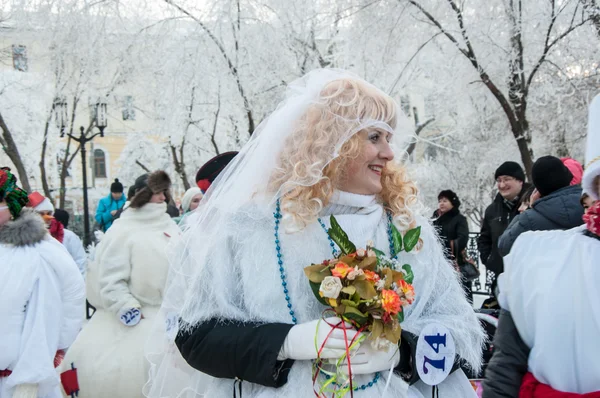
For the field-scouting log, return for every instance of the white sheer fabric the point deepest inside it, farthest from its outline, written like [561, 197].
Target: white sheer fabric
[225, 266]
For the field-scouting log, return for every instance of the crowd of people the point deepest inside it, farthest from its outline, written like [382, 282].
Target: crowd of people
[211, 299]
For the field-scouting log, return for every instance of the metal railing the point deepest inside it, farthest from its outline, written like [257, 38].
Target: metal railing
[486, 277]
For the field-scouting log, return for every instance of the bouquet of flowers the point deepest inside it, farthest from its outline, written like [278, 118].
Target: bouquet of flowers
[364, 287]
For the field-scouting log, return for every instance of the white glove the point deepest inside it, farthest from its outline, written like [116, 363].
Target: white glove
[300, 341]
[368, 359]
[130, 316]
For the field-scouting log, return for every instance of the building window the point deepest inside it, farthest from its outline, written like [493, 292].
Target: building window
[19, 53]
[99, 163]
[128, 109]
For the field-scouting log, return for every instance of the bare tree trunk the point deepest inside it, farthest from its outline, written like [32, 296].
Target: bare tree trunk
[413, 144]
[143, 166]
[42, 164]
[10, 147]
[515, 106]
[230, 65]
[67, 159]
[214, 130]
[593, 9]
[180, 165]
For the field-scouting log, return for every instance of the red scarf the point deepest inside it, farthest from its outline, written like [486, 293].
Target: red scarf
[532, 388]
[592, 218]
[55, 228]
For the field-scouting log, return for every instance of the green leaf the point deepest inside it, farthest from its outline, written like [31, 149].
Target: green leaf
[401, 316]
[337, 234]
[356, 316]
[412, 238]
[317, 272]
[396, 239]
[349, 290]
[349, 303]
[365, 289]
[369, 263]
[315, 288]
[376, 329]
[378, 252]
[392, 332]
[409, 273]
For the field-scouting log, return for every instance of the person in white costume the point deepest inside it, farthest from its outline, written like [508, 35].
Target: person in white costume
[71, 241]
[546, 344]
[248, 316]
[43, 298]
[130, 271]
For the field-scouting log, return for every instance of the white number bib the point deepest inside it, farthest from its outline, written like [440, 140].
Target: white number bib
[435, 354]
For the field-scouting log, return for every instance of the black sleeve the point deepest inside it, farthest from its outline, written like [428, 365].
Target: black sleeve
[407, 368]
[517, 226]
[462, 236]
[484, 242]
[230, 349]
[508, 366]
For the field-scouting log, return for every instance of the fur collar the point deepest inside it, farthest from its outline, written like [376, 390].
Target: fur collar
[27, 229]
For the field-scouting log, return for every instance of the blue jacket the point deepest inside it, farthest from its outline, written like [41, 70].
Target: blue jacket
[559, 210]
[105, 206]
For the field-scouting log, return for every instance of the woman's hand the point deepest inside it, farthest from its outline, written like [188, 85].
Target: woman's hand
[368, 359]
[300, 341]
[130, 316]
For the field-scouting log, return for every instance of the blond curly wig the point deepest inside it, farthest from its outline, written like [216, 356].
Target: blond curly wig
[339, 113]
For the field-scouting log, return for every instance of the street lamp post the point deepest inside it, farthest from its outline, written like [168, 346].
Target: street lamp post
[100, 120]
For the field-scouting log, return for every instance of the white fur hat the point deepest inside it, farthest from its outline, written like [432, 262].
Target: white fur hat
[186, 201]
[592, 152]
[46, 205]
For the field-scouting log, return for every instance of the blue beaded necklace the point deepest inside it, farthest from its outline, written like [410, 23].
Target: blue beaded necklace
[277, 215]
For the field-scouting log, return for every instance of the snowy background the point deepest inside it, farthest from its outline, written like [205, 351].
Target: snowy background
[483, 81]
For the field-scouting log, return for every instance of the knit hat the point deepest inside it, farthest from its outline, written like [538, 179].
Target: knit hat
[116, 187]
[149, 184]
[592, 151]
[39, 202]
[211, 169]
[451, 196]
[575, 168]
[62, 216]
[550, 174]
[15, 197]
[186, 201]
[511, 169]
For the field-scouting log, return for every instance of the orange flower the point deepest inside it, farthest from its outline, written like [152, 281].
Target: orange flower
[390, 301]
[371, 276]
[407, 291]
[341, 270]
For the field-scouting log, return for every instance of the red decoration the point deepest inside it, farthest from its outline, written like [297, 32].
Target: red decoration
[532, 388]
[69, 381]
[5, 373]
[203, 185]
[35, 198]
[592, 218]
[57, 230]
[58, 358]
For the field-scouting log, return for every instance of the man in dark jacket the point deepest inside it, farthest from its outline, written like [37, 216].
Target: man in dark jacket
[557, 208]
[510, 180]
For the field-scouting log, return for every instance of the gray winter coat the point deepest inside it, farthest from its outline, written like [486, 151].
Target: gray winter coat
[559, 210]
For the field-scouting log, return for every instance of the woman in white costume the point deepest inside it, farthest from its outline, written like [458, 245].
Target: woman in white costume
[189, 202]
[546, 344]
[130, 269]
[43, 298]
[248, 315]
